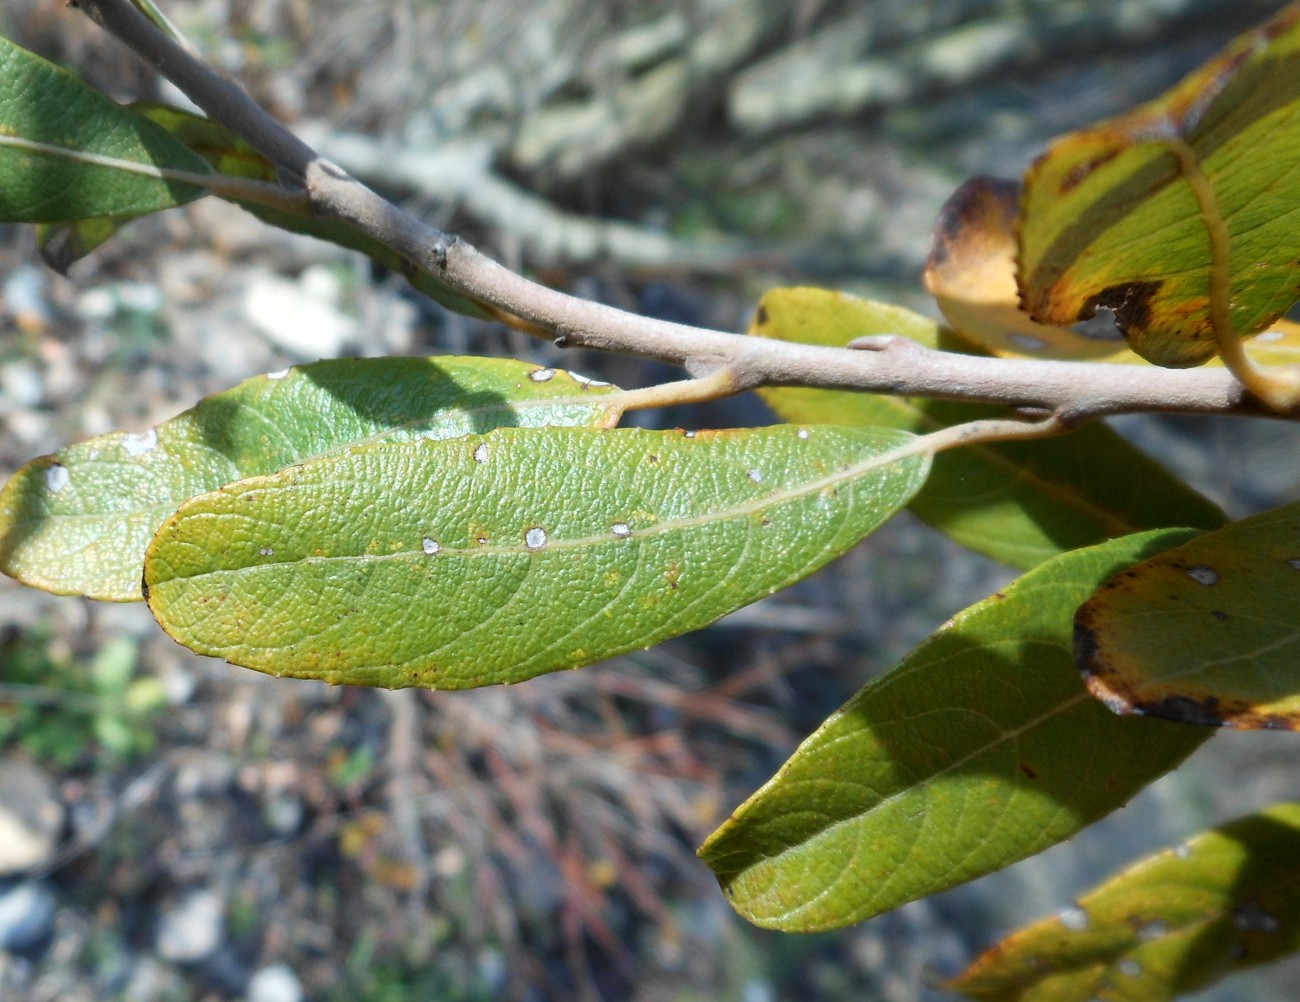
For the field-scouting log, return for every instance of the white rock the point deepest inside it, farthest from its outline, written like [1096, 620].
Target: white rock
[31, 817]
[299, 317]
[191, 930]
[275, 983]
[20, 385]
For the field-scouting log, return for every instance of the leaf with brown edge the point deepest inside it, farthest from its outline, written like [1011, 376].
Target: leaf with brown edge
[1205, 633]
[1109, 218]
[1174, 922]
[971, 272]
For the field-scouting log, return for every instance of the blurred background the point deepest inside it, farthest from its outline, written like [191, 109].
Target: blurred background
[173, 828]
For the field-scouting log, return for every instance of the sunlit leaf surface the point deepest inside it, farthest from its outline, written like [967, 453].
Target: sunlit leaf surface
[971, 272]
[981, 748]
[67, 152]
[495, 558]
[77, 522]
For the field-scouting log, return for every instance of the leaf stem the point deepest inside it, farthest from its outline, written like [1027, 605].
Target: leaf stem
[718, 384]
[1277, 386]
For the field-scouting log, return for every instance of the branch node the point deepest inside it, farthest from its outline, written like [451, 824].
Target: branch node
[883, 342]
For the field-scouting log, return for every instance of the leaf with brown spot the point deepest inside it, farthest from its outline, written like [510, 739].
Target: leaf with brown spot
[1174, 922]
[971, 272]
[1110, 219]
[1206, 633]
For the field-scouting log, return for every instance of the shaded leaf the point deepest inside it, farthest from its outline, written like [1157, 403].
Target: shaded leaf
[78, 522]
[1109, 219]
[971, 272]
[1178, 920]
[981, 748]
[495, 558]
[1206, 633]
[67, 152]
[62, 244]
[1018, 502]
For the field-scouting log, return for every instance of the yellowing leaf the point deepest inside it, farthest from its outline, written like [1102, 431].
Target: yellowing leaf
[1109, 218]
[981, 748]
[1018, 502]
[78, 522]
[1206, 633]
[1175, 922]
[971, 272]
[494, 558]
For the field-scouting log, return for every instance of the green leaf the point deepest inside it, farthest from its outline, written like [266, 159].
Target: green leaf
[67, 152]
[1018, 502]
[62, 244]
[1109, 218]
[1175, 922]
[981, 748]
[1205, 633]
[224, 152]
[495, 558]
[78, 522]
[230, 155]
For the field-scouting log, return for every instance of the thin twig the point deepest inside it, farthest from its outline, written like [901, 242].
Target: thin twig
[1072, 391]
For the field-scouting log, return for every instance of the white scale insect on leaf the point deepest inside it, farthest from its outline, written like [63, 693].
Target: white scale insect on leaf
[138, 445]
[56, 478]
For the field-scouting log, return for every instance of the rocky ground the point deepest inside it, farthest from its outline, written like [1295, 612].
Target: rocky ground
[172, 828]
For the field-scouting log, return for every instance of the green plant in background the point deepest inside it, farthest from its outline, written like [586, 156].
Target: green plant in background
[457, 522]
[60, 708]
